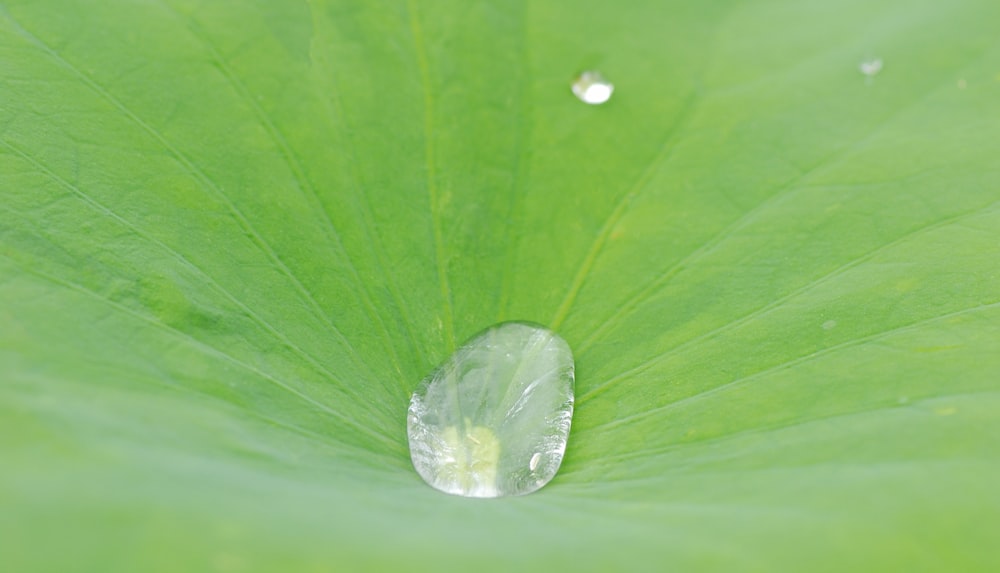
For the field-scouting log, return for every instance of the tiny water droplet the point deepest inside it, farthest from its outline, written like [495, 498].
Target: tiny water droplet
[830, 324]
[870, 66]
[591, 87]
[494, 418]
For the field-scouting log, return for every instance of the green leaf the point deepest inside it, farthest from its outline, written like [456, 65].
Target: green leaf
[235, 235]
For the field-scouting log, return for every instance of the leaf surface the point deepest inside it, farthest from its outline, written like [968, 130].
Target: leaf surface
[234, 236]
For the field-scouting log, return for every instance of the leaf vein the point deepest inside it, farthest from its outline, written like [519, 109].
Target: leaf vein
[788, 364]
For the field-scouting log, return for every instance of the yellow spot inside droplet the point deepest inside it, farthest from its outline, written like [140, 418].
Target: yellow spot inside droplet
[473, 454]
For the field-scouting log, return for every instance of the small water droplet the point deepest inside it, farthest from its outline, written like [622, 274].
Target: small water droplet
[830, 324]
[870, 66]
[591, 87]
[504, 397]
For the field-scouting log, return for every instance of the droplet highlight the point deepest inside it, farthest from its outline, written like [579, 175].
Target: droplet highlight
[493, 420]
[533, 463]
[591, 87]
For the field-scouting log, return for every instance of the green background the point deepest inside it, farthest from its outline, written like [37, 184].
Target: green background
[234, 236]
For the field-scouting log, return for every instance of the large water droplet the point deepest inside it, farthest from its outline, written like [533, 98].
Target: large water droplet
[493, 420]
[592, 88]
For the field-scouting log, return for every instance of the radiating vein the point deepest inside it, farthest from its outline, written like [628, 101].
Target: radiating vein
[630, 419]
[662, 156]
[302, 181]
[210, 350]
[519, 180]
[104, 210]
[681, 446]
[777, 303]
[746, 219]
[432, 190]
[200, 175]
[335, 447]
[335, 106]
